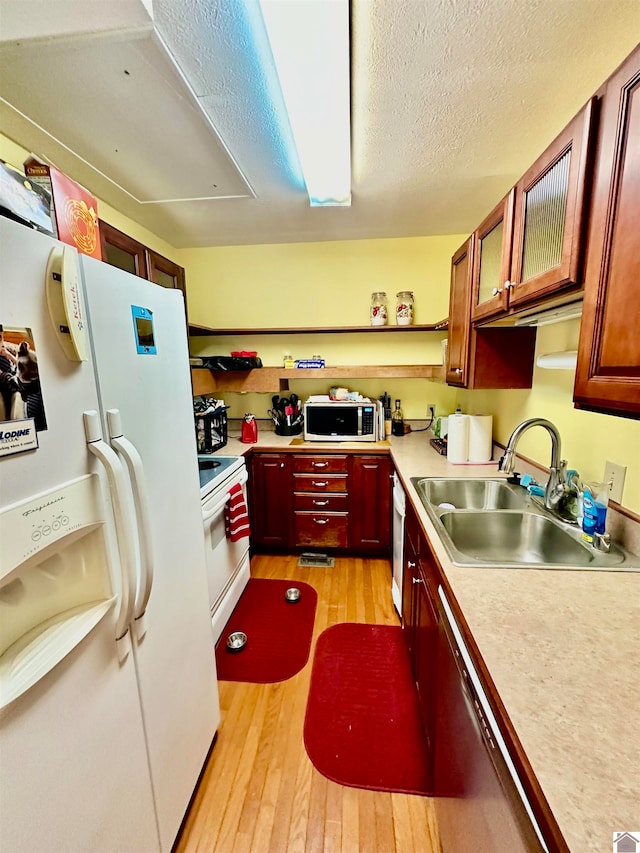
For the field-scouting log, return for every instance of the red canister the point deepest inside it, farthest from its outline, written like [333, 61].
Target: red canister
[249, 430]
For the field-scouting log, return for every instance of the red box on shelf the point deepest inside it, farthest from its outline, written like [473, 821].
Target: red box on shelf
[75, 209]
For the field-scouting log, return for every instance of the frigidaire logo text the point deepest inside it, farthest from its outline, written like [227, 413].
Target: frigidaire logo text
[42, 506]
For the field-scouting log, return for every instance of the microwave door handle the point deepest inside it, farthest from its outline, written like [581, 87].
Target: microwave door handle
[135, 468]
[124, 532]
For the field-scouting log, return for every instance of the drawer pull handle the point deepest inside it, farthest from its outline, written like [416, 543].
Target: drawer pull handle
[321, 521]
[320, 503]
[320, 464]
[417, 580]
[320, 483]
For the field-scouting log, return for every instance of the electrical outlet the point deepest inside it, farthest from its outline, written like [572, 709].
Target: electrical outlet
[431, 410]
[614, 475]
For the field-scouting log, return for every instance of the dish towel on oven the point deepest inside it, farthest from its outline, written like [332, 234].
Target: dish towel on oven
[236, 515]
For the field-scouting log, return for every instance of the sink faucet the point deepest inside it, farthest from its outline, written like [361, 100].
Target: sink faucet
[556, 486]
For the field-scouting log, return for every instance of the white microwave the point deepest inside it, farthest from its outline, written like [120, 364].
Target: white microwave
[342, 420]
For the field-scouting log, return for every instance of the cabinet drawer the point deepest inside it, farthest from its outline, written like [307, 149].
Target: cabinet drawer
[332, 464]
[321, 529]
[320, 503]
[320, 482]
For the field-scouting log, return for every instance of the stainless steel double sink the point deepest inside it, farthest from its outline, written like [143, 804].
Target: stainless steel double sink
[493, 523]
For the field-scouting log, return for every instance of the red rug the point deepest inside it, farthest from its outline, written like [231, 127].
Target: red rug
[362, 727]
[278, 632]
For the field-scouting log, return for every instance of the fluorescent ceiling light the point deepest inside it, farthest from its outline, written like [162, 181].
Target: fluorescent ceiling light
[310, 46]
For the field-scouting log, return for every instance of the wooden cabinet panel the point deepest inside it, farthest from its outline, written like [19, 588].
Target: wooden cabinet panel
[608, 370]
[550, 210]
[370, 503]
[420, 619]
[120, 250]
[321, 530]
[320, 482]
[270, 500]
[460, 315]
[320, 503]
[329, 464]
[492, 261]
[485, 357]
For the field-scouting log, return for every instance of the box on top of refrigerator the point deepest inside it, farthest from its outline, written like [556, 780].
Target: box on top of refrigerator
[75, 210]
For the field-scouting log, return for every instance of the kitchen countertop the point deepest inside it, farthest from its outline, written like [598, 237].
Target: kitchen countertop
[563, 650]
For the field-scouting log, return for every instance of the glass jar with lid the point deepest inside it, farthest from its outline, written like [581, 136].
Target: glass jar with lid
[378, 312]
[404, 308]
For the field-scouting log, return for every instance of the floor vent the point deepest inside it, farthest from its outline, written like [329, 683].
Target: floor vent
[316, 561]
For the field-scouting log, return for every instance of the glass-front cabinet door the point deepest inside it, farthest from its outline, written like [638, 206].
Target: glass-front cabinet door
[492, 261]
[122, 251]
[550, 207]
[460, 315]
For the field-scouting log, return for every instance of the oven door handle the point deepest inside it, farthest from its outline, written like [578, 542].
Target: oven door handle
[210, 511]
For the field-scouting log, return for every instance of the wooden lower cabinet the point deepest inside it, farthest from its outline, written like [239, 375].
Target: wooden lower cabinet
[420, 620]
[270, 496]
[370, 504]
[321, 501]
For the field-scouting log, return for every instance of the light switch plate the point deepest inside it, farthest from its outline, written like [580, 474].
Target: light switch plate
[614, 475]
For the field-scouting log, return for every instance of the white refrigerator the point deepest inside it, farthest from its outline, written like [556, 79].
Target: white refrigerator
[108, 688]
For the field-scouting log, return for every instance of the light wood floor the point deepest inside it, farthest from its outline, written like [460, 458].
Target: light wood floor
[259, 792]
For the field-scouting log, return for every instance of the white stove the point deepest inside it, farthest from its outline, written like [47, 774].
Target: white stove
[216, 470]
[227, 562]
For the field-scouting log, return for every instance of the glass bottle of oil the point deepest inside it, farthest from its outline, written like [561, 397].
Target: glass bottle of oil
[397, 420]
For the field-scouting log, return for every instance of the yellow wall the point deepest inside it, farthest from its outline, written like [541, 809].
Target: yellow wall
[325, 284]
[316, 284]
[588, 439]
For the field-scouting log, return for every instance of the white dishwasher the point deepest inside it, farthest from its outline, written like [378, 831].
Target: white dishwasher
[227, 562]
[399, 502]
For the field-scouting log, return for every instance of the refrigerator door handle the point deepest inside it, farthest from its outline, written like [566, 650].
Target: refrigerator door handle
[124, 530]
[139, 487]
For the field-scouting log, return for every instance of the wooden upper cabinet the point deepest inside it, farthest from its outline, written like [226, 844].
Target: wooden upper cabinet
[164, 272]
[608, 370]
[483, 358]
[122, 251]
[457, 366]
[492, 261]
[549, 215]
[531, 246]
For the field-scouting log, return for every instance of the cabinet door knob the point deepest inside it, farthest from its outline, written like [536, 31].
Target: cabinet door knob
[282, 464]
[496, 291]
[508, 284]
[458, 370]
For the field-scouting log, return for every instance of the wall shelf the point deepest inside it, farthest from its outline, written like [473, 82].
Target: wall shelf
[272, 379]
[196, 331]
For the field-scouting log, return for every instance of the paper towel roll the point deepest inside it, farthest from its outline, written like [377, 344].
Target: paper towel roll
[458, 438]
[480, 438]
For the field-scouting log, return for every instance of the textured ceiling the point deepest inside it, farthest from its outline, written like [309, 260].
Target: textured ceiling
[451, 101]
